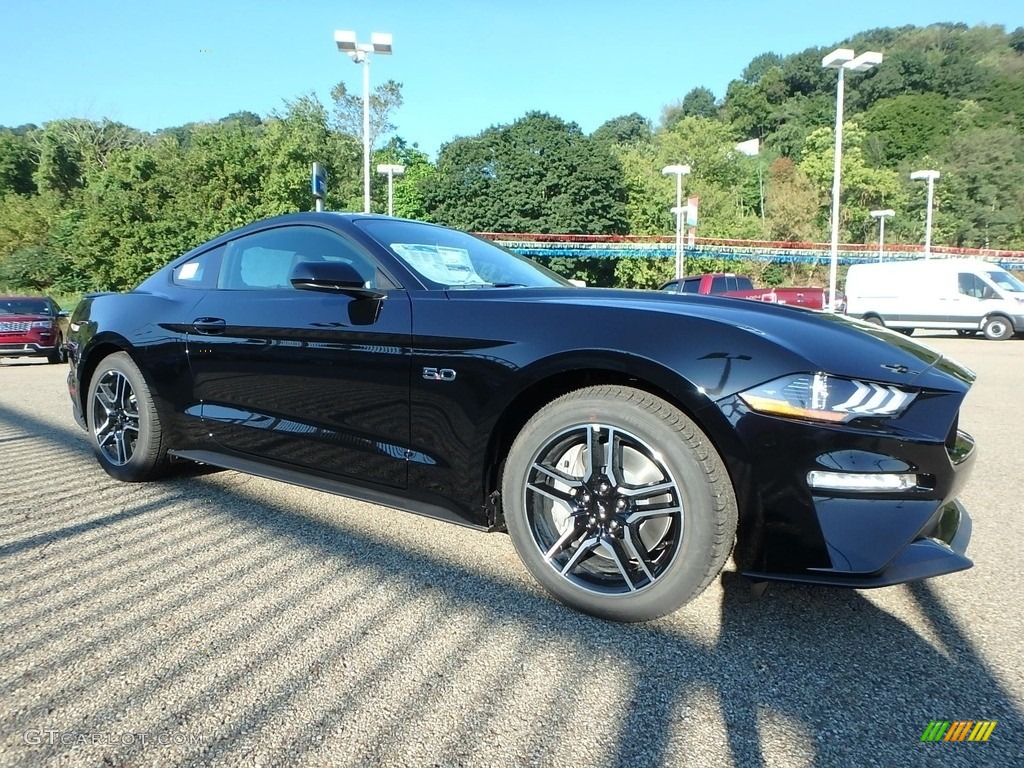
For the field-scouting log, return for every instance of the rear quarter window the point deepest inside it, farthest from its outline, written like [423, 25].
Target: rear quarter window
[199, 271]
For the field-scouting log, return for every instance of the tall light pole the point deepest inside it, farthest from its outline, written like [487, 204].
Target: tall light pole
[881, 216]
[679, 210]
[380, 42]
[392, 170]
[752, 148]
[930, 176]
[841, 59]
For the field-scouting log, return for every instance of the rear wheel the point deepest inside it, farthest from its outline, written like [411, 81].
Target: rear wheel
[997, 328]
[124, 426]
[618, 504]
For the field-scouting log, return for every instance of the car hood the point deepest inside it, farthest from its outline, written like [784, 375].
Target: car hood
[829, 343]
[24, 318]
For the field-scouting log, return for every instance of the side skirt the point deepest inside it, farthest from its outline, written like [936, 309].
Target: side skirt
[332, 485]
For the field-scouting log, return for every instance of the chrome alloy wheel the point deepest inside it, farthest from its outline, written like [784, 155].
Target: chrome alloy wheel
[116, 417]
[604, 509]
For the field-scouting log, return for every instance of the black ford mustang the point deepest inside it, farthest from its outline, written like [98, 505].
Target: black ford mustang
[628, 441]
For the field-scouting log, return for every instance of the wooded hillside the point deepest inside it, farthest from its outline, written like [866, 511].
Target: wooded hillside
[98, 205]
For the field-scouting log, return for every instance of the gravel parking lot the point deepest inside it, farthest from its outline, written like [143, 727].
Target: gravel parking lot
[220, 619]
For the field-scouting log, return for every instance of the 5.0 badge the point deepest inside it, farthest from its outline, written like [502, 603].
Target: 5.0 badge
[439, 374]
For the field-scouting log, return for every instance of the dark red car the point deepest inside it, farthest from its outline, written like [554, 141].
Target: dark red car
[33, 326]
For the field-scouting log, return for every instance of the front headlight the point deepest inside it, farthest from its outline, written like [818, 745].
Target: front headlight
[821, 397]
[47, 324]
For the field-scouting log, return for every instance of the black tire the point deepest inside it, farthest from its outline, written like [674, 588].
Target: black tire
[124, 426]
[59, 354]
[997, 328]
[631, 541]
[874, 320]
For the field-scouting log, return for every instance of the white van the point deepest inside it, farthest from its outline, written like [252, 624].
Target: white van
[956, 294]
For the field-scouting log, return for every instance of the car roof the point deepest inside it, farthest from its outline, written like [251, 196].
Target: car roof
[300, 217]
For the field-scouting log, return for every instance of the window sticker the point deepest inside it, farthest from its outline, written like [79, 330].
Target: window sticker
[441, 264]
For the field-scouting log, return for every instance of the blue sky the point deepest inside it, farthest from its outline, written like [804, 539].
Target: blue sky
[465, 65]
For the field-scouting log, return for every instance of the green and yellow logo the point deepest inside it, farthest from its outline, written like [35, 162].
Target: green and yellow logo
[958, 730]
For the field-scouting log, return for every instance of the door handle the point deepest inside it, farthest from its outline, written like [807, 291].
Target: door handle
[209, 326]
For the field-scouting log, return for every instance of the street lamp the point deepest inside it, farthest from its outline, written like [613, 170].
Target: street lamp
[881, 216]
[842, 59]
[679, 210]
[931, 176]
[380, 42]
[391, 170]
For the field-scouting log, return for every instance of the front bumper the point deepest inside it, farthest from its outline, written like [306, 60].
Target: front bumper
[792, 532]
[26, 349]
[936, 550]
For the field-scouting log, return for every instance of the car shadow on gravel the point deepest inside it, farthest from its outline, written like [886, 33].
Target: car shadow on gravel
[825, 673]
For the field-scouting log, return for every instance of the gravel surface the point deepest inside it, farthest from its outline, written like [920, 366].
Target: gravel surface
[219, 619]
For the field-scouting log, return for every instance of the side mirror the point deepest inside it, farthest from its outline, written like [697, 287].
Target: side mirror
[332, 277]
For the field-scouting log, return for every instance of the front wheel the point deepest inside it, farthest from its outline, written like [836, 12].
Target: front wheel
[124, 426]
[997, 328]
[618, 504]
[59, 354]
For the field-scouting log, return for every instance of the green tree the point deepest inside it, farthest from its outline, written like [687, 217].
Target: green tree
[418, 174]
[16, 164]
[539, 174]
[385, 100]
[626, 129]
[1017, 40]
[793, 203]
[699, 102]
[288, 145]
[644, 272]
[981, 193]
[863, 187]
[35, 268]
[759, 65]
[645, 205]
[747, 109]
[903, 129]
[60, 167]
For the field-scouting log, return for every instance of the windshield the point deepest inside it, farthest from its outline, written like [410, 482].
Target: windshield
[1006, 281]
[446, 258]
[24, 307]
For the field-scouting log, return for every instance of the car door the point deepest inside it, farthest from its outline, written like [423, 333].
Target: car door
[967, 306]
[312, 379]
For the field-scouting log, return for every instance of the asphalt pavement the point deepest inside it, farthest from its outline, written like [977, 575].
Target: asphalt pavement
[218, 619]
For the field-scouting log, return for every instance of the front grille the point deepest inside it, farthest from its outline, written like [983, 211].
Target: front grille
[9, 326]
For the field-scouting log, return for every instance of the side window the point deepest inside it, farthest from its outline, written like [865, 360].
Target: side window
[691, 285]
[672, 287]
[971, 285]
[719, 285]
[264, 260]
[199, 271]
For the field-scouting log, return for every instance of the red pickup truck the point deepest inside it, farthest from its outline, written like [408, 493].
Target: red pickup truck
[742, 287]
[32, 326]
